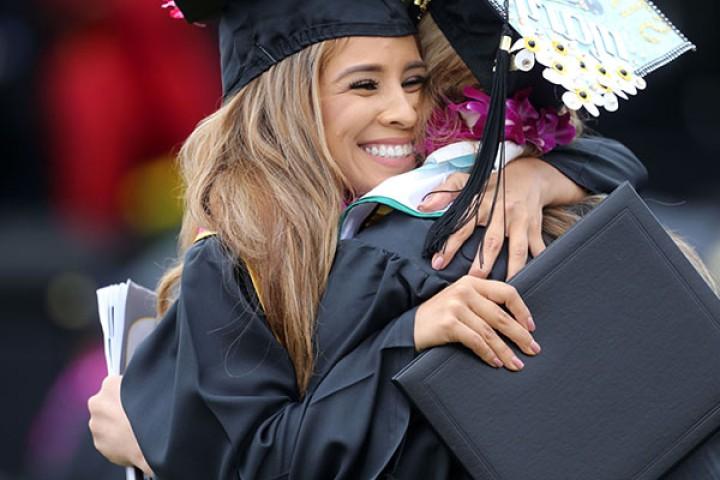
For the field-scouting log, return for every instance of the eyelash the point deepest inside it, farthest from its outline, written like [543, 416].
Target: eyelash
[373, 85]
[364, 85]
[418, 80]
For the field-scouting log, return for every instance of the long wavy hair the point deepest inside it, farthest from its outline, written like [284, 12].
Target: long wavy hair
[258, 172]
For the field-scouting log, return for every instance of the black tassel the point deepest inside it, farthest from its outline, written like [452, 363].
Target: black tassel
[467, 203]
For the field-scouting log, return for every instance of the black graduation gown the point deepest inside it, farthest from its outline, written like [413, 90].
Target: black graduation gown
[598, 164]
[211, 394]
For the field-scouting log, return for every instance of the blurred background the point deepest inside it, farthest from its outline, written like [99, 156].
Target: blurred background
[96, 97]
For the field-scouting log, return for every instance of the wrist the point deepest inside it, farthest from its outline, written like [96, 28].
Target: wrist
[555, 187]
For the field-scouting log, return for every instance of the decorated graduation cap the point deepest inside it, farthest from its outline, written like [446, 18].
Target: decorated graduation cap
[583, 54]
[257, 34]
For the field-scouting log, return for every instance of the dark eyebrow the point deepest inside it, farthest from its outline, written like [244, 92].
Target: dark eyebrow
[376, 68]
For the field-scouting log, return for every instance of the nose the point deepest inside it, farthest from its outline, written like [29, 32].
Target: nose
[400, 110]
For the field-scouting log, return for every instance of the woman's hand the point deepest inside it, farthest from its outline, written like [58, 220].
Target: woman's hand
[530, 185]
[110, 427]
[468, 312]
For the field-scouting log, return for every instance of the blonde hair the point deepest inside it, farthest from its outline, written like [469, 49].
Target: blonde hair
[557, 221]
[448, 75]
[259, 173]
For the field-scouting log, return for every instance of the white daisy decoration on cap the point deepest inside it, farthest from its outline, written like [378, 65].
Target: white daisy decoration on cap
[524, 60]
[595, 51]
[582, 97]
[558, 48]
[525, 50]
[562, 70]
[587, 65]
[626, 80]
[605, 97]
[532, 43]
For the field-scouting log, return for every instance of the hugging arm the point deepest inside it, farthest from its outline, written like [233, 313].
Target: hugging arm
[213, 395]
[598, 164]
[563, 176]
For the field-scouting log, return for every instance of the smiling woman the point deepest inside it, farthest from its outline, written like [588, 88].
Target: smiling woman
[266, 364]
[370, 94]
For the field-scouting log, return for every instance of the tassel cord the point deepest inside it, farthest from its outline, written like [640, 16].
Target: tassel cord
[466, 206]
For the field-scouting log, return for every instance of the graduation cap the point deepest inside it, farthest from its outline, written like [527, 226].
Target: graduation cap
[257, 34]
[583, 54]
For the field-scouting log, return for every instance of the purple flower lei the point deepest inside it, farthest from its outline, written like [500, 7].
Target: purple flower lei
[524, 125]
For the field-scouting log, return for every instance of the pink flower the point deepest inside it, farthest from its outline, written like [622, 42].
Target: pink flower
[523, 123]
[552, 130]
[473, 112]
[520, 103]
[445, 127]
[174, 10]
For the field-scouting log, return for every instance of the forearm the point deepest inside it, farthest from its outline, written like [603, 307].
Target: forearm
[555, 188]
[598, 164]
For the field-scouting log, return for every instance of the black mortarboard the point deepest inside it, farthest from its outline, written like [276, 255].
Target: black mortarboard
[473, 29]
[256, 34]
[591, 52]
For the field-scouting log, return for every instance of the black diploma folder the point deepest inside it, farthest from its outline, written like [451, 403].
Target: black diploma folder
[628, 381]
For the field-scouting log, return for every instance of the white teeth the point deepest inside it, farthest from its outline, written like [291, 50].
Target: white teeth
[390, 150]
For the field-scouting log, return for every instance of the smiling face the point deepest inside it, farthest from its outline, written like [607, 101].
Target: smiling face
[369, 94]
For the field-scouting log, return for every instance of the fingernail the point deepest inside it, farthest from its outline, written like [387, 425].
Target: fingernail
[531, 324]
[437, 262]
[518, 363]
[497, 362]
[535, 347]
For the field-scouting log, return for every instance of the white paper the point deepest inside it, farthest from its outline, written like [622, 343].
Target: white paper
[127, 317]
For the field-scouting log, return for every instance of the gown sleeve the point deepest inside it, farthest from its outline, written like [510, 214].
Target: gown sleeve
[598, 164]
[212, 394]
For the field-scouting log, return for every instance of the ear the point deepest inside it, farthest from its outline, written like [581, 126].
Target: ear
[197, 10]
